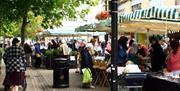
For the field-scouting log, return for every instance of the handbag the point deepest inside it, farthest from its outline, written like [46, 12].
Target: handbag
[38, 55]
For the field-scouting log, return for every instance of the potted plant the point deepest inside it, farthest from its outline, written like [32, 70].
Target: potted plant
[73, 53]
[56, 53]
[50, 54]
[48, 57]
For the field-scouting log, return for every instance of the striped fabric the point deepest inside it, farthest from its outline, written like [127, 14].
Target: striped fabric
[169, 14]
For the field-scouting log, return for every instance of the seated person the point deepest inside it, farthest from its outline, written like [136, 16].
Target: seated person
[131, 67]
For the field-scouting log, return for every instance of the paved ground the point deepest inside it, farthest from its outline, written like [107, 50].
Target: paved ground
[42, 80]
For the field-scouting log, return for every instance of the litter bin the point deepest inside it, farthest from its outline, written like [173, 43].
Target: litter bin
[60, 72]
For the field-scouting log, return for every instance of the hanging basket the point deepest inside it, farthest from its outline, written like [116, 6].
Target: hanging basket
[103, 15]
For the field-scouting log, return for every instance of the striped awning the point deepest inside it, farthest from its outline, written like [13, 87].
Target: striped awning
[158, 20]
[165, 14]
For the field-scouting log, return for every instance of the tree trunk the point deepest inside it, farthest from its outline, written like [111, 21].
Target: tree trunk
[23, 28]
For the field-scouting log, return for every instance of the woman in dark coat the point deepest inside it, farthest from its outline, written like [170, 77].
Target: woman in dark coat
[87, 59]
[156, 54]
[15, 61]
[87, 62]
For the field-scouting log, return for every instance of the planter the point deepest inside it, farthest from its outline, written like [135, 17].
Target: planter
[48, 62]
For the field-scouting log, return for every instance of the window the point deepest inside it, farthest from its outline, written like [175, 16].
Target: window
[159, 3]
[122, 11]
[136, 7]
[177, 2]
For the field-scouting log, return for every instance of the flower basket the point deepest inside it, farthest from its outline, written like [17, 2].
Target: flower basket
[103, 15]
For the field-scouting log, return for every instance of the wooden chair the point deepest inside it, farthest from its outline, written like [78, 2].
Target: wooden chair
[96, 65]
[103, 73]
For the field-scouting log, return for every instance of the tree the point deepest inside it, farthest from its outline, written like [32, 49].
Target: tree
[53, 12]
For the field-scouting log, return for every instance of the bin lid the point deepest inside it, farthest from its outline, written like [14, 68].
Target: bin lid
[63, 59]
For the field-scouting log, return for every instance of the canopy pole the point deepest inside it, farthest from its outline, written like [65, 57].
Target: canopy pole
[114, 42]
[147, 36]
[166, 29]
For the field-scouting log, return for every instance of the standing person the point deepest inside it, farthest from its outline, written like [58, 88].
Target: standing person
[28, 52]
[142, 50]
[87, 62]
[64, 49]
[38, 55]
[122, 47]
[54, 45]
[156, 54]
[173, 60]
[15, 61]
[103, 46]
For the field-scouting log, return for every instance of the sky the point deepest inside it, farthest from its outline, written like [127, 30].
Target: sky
[90, 18]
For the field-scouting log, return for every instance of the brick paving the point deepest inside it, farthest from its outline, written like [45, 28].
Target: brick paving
[42, 80]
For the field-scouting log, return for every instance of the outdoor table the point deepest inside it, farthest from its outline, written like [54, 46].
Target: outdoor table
[161, 83]
[131, 81]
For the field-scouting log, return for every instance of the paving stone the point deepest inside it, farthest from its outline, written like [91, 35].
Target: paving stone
[42, 80]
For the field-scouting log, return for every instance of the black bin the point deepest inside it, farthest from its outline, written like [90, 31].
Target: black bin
[60, 72]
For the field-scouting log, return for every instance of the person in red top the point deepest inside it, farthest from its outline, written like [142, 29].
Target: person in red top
[173, 60]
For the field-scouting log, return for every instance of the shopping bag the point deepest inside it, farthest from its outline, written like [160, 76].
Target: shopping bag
[87, 76]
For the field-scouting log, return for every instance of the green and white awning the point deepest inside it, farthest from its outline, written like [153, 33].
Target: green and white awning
[156, 19]
[165, 14]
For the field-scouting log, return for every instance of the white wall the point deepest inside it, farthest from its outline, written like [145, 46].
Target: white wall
[134, 2]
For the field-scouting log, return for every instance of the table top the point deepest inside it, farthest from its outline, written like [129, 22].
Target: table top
[166, 77]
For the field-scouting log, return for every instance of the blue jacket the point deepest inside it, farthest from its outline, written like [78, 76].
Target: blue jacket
[122, 56]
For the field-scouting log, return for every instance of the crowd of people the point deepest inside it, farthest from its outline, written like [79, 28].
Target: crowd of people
[162, 55]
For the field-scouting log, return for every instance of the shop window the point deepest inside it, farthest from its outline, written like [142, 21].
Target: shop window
[136, 7]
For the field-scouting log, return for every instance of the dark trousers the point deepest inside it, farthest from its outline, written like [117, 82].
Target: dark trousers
[37, 62]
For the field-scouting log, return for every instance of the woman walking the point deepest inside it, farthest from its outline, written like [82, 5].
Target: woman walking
[14, 59]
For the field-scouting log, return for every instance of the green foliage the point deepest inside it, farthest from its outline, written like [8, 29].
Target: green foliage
[73, 53]
[1, 52]
[51, 11]
[56, 52]
[52, 52]
[48, 52]
[10, 30]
